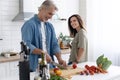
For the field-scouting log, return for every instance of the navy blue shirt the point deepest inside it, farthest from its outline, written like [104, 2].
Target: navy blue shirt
[31, 34]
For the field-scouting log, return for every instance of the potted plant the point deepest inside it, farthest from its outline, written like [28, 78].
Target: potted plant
[64, 40]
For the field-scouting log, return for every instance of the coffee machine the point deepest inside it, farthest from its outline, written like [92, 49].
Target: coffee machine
[24, 69]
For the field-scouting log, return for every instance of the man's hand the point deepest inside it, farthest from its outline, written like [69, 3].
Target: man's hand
[48, 58]
[62, 62]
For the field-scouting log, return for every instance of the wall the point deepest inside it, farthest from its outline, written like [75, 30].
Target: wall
[103, 29]
[10, 31]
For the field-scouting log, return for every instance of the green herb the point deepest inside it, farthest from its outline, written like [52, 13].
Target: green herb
[56, 77]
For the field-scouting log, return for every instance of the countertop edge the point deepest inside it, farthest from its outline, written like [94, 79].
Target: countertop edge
[9, 59]
[17, 57]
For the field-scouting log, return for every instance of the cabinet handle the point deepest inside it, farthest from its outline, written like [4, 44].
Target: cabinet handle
[1, 39]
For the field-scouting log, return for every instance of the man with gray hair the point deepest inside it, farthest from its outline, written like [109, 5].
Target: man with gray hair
[39, 35]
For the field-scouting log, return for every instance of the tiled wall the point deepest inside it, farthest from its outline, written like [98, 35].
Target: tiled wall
[9, 30]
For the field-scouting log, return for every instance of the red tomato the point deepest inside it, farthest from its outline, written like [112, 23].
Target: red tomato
[55, 69]
[87, 67]
[74, 65]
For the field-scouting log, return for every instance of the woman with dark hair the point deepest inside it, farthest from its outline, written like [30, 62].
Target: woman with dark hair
[80, 42]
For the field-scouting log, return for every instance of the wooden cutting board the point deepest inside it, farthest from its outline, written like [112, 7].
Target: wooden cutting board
[69, 72]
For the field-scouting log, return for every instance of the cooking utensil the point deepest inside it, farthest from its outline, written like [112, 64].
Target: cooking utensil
[58, 65]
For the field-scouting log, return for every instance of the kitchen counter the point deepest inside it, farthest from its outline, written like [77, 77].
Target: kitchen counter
[17, 57]
[9, 59]
[65, 51]
[113, 74]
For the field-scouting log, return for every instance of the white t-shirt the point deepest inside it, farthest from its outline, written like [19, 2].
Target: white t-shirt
[43, 36]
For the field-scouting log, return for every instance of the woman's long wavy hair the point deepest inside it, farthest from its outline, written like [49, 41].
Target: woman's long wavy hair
[80, 21]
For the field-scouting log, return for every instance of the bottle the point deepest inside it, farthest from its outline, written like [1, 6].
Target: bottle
[43, 59]
[37, 76]
[44, 68]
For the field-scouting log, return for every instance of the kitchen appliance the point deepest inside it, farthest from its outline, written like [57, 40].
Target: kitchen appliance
[26, 10]
[24, 70]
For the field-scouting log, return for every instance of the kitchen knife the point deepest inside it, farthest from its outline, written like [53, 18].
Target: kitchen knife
[58, 65]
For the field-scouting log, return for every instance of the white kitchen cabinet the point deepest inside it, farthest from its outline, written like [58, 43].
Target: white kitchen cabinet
[9, 69]
[4, 70]
[14, 68]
